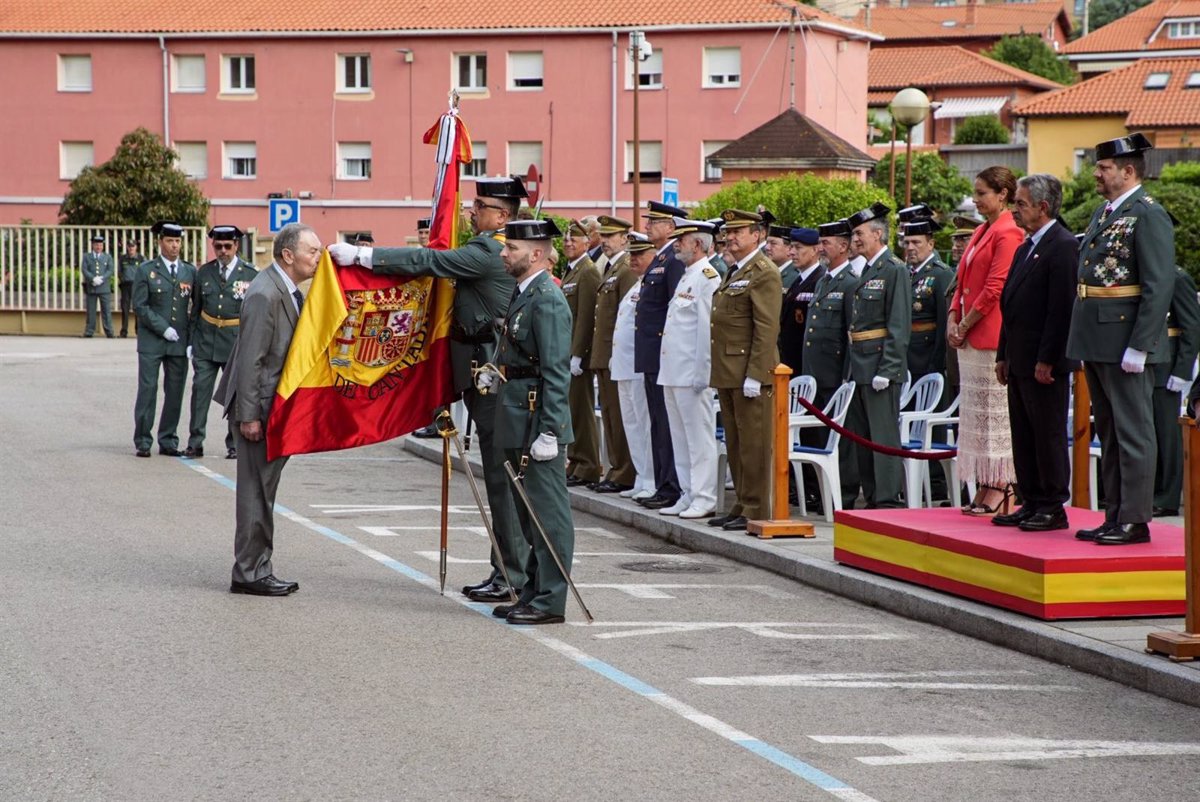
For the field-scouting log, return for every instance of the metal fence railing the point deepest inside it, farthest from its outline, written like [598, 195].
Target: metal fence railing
[39, 265]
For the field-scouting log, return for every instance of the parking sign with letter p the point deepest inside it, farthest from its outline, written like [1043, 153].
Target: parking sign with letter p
[283, 211]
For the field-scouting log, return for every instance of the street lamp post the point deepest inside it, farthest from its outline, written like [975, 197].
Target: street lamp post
[910, 107]
[639, 51]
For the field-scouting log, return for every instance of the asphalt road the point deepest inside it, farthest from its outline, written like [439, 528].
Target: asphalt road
[129, 672]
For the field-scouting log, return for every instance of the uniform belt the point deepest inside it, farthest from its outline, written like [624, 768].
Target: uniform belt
[1174, 332]
[869, 334]
[520, 372]
[481, 337]
[218, 322]
[1088, 291]
[924, 327]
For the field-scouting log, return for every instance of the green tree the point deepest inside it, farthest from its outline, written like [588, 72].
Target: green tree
[933, 182]
[1103, 12]
[800, 200]
[1032, 54]
[1183, 202]
[982, 130]
[137, 186]
[1181, 173]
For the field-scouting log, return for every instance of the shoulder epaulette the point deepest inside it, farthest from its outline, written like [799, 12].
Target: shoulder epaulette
[710, 272]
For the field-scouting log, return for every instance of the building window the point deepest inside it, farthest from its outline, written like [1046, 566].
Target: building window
[239, 74]
[708, 171]
[1193, 81]
[193, 158]
[523, 154]
[1157, 80]
[187, 73]
[722, 66]
[470, 72]
[525, 70]
[241, 160]
[1188, 29]
[74, 73]
[73, 157]
[650, 161]
[477, 168]
[650, 72]
[354, 161]
[354, 73]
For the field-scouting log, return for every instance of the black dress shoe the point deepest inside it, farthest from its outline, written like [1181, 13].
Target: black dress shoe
[490, 593]
[593, 485]
[1014, 518]
[1092, 534]
[1045, 522]
[659, 503]
[575, 481]
[720, 520]
[1124, 535]
[426, 432]
[502, 610]
[231, 454]
[169, 452]
[267, 586]
[532, 615]
[466, 591]
[612, 487]
[737, 524]
[1163, 512]
[193, 453]
[142, 452]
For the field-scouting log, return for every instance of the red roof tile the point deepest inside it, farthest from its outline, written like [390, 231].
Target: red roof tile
[236, 16]
[1122, 92]
[1133, 31]
[947, 23]
[941, 66]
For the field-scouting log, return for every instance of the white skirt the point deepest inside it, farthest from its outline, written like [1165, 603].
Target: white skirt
[984, 434]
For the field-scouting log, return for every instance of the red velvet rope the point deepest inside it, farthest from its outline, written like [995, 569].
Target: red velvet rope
[865, 443]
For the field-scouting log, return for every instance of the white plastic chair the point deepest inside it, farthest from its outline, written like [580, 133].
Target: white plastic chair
[916, 433]
[802, 386]
[824, 460]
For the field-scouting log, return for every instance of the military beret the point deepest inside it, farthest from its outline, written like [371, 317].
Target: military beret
[919, 211]
[424, 223]
[924, 226]
[500, 187]
[663, 211]
[1130, 145]
[531, 230]
[167, 228]
[684, 226]
[838, 228]
[876, 211]
[805, 236]
[738, 218]
[639, 242]
[613, 225]
[225, 233]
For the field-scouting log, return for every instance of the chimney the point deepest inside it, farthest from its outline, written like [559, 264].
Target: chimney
[970, 23]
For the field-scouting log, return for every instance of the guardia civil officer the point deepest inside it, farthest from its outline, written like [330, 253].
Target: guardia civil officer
[579, 286]
[533, 417]
[127, 267]
[162, 296]
[803, 249]
[423, 225]
[97, 270]
[1118, 327]
[777, 247]
[1172, 378]
[221, 285]
[482, 294]
[930, 279]
[880, 326]
[745, 351]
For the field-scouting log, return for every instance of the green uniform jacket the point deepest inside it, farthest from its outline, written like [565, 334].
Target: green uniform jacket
[481, 296]
[128, 266]
[579, 287]
[825, 342]
[882, 300]
[161, 302]
[1135, 245]
[97, 264]
[1183, 331]
[718, 262]
[220, 299]
[787, 275]
[745, 324]
[927, 349]
[537, 334]
[617, 280]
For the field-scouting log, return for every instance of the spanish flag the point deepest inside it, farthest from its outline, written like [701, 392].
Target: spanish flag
[370, 359]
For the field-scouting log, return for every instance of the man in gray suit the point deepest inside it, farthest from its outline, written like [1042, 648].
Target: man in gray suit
[97, 270]
[247, 390]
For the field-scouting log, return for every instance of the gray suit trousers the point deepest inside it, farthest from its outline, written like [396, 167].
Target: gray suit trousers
[1122, 404]
[254, 530]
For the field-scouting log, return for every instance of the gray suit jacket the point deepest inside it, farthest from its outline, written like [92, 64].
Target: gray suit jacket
[247, 388]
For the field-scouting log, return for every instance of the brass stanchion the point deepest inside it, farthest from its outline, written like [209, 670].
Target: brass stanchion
[781, 523]
[1081, 444]
[1183, 646]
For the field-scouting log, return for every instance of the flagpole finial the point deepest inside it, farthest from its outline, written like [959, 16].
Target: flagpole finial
[452, 95]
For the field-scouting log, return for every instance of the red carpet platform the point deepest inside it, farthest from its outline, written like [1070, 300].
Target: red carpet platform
[1047, 575]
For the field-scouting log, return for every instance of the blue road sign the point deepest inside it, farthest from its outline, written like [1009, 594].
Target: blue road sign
[670, 191]
[283, 211]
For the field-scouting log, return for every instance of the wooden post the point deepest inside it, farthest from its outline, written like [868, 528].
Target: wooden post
[1182, 646]
[781, 523]
[1081, 444]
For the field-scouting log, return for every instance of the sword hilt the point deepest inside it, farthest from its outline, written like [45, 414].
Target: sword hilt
[443, 424]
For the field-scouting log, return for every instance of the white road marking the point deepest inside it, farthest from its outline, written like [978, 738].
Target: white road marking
[29, 355]
[394, 531]
[357, 509]
[764, 629]
[435, 556]
[643, 590]
[600, 531]
[924, 749]
[914, 680]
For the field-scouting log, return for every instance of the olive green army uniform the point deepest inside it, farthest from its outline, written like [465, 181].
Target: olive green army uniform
[127, 266]
[1183, 341]
[617, 280]
[579, 286]
[161, 301]
[927, 346]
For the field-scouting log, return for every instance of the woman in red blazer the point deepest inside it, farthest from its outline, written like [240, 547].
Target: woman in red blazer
[973, 327]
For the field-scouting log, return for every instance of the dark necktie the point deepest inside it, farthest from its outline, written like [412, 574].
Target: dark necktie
[299, 300]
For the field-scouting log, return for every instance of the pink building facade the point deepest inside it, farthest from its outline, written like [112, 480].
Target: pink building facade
[336, 119]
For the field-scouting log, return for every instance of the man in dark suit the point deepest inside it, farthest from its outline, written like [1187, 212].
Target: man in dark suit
[268, 319]
[97, 270]
[1035, 308]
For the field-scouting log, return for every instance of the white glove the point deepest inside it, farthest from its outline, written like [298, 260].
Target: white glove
[170, 335]
[879, 384]
[1133, 361]
[751, 388]
[1178, 385]
[189, 352]
[545, 447]
[699, 387]
[343, 253]
[484, 379]
[576, 366]
[97, 281]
